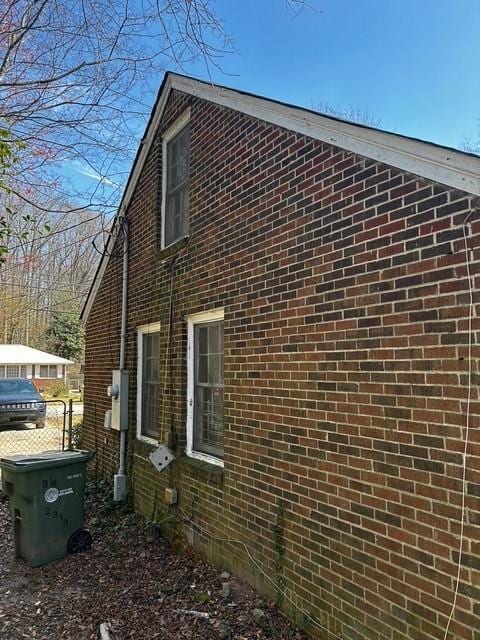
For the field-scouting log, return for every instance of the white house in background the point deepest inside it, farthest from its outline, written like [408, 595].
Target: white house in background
[19, 361]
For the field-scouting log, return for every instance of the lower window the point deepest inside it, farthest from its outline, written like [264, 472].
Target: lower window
[13, 371]
[205, 386]
[47, 371]
[148, 382]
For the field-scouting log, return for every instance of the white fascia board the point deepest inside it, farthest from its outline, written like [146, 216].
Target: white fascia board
[440, 164]
[449, 167]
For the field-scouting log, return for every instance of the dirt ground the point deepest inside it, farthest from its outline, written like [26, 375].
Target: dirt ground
[132, 580]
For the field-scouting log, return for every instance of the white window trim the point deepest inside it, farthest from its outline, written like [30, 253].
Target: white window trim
[153, 327]
[197, 318]
[170, 133]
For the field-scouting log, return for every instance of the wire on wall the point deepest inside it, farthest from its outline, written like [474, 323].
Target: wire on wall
[466, 230]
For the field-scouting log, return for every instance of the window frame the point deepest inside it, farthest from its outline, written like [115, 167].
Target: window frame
[48, 377]
[198, 318]
[181, 122]
[9, 374]
[152, 327]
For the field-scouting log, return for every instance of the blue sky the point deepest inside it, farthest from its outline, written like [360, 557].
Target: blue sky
[415, 64]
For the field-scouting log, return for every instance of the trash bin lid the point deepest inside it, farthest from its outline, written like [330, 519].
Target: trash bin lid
[44, 460]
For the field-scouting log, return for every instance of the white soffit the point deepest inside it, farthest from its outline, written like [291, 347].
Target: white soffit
[433, 162]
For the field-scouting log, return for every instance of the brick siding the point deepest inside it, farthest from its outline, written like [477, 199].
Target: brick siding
[346, 298]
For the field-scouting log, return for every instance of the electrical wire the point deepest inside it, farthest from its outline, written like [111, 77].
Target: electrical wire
[467, 430]
[53, 233]
[41, 288]
[19, 265]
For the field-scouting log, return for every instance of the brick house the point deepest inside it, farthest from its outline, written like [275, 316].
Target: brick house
[300, 331]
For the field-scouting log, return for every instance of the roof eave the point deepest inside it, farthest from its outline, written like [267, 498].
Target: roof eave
[427, 160]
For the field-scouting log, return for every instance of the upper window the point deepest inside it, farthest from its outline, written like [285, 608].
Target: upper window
[148, 382]
[205, 402]
[176, 169]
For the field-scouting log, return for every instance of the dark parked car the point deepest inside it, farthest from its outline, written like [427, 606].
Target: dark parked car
[20, 402]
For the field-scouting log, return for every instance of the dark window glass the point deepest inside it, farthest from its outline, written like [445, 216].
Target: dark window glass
[150, 385]
[176, 197]
[46, 371]
[208, 400]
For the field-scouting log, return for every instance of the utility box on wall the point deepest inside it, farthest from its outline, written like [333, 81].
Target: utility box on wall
[118, 392]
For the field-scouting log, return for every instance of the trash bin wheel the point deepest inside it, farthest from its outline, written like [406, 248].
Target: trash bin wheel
[79, 541]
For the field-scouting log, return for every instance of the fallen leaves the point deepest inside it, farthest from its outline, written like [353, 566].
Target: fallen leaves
[141, 589]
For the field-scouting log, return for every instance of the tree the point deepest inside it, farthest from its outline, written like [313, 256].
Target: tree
[75, 85]
[46, 274]
[471, 144]
[65, 337]
[358, 115]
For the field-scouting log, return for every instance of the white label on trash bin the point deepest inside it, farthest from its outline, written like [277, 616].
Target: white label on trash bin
[51, 495]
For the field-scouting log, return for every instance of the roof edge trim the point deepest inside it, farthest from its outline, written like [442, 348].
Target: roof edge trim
[441, 164]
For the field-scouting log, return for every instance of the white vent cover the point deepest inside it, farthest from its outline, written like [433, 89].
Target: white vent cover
[161, 457]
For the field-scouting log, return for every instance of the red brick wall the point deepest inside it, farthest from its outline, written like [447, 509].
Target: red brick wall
[346, 298]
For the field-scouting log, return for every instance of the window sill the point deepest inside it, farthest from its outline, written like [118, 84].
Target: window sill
[144, 447]
[205, 471]
[170, 249]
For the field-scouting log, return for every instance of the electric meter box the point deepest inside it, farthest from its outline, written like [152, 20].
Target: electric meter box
[118, 392]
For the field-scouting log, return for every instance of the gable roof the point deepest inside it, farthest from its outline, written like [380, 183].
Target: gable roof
[20, 354]
[441, 164]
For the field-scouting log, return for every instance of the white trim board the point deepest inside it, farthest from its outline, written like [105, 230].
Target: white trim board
[433, 162]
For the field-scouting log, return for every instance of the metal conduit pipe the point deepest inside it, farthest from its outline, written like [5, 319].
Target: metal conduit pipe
[120, 478]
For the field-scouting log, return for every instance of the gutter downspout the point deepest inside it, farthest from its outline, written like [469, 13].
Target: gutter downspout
[120, 479]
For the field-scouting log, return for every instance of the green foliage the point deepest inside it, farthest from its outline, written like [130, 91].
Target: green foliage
[60, 390]
[77, 435]
[65, 336]
[203, 598]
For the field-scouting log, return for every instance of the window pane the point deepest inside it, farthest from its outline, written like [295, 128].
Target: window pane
[150, 398]
[2, 371]
[208, 394]
[202, 339]
[215, 376]
[215, 339]
[209, 420]
[12, 371]
[176, 196]
[202, 369]
[182, 155]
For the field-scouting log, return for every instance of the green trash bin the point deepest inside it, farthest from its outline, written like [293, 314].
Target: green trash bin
[46, 493]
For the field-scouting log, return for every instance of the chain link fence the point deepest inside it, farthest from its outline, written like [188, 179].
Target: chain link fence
[32, 427]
